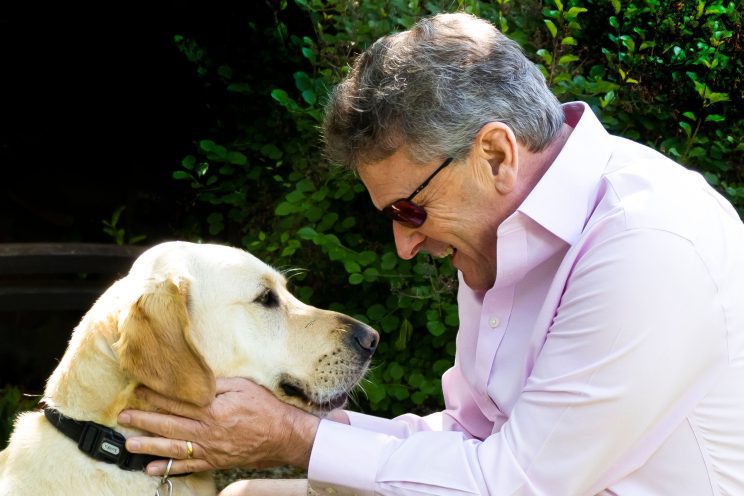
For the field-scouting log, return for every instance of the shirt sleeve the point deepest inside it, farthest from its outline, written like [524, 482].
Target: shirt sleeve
[636, 342]
[401, 427]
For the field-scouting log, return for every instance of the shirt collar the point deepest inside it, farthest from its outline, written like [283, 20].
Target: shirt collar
[564, 198]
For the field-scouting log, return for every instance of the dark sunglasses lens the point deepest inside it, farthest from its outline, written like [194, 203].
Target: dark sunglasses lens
[406, 212]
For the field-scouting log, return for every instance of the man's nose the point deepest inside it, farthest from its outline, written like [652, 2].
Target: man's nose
[408, 241]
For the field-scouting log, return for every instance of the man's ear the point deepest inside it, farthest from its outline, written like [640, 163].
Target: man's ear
[496, 143]
[156, 349]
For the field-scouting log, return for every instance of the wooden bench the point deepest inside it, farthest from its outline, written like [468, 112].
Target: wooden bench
[59, 276]
[45, 288]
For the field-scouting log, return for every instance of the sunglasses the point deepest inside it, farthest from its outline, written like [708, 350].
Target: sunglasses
[404, 211]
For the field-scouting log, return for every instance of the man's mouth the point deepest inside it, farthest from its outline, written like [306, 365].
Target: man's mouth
[448, 252]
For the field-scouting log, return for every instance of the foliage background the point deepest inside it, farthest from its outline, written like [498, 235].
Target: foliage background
[663, 73]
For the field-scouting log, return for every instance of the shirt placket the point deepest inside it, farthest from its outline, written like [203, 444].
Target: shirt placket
[498, 304]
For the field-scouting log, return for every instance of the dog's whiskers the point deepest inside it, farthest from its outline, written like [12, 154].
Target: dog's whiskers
[292, 272]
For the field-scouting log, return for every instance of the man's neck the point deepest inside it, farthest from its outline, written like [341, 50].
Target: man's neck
[535, 165]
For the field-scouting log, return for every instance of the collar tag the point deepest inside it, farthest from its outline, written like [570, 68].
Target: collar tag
[102, 443]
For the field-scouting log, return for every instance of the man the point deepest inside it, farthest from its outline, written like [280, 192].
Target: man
[601, 345]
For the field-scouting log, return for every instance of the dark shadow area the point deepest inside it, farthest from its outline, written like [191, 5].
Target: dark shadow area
[98, 106]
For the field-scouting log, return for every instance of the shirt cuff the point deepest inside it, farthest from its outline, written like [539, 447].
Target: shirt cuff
[377, 424]
[345, 458]
[401, 427]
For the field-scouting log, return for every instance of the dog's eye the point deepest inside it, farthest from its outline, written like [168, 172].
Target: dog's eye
[268, 299]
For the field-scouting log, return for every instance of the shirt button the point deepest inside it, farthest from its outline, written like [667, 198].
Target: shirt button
[494, 322]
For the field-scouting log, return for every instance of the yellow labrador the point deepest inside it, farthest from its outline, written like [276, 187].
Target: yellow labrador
[185, 314]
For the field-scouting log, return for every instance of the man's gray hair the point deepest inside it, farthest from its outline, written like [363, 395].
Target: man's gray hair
[432, 88]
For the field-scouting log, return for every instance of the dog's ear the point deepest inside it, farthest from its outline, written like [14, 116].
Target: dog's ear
[156, 349]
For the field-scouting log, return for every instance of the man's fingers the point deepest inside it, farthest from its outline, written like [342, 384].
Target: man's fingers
[163, 425]
[157, 467]
[163, 447]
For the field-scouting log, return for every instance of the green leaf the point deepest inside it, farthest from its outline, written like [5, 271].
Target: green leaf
[573, 12]
[628, 42]
[284, 208]
[356, 278]
[371, 274]
[404, 335]
[396, 371]
[375, 392]
[188, 162]
[551, 27]
[309, 54]
[216, 223]
[416, 379]
[302, 81]
[714, 118]
[310, 97]
[607, 99]
[400, 393]
[435, 327]
[546, 55]
[388, 261]
[568, 40]
[712, 178]
[366, 257]
[207, 145]
[271, 151]
[181, 175]
[281, 96]
[376, 312]
[295, 196]
[390, 323]
[567, 58]
[237, 158]
[686, 127]
[714, 97]
[307, 232]
[715, 9]
[352, 267]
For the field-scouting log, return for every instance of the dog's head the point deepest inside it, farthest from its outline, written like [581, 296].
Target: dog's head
[204, 311]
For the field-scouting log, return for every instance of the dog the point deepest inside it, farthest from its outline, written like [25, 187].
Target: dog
[184, 314]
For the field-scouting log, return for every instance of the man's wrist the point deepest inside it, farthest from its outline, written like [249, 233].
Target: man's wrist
[302, 435]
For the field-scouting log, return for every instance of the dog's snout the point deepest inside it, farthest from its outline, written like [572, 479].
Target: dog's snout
[365, 338]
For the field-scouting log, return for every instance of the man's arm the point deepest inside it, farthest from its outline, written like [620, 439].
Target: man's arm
[244, 426]
[625, 360]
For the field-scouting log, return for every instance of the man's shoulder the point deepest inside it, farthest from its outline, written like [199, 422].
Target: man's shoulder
[653, 191]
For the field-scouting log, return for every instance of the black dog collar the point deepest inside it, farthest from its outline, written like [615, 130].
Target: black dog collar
[98, 441]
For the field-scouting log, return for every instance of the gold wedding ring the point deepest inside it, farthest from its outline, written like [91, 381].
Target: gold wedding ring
[189, 450]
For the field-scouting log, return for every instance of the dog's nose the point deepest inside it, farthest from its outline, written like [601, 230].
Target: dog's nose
[365, 337]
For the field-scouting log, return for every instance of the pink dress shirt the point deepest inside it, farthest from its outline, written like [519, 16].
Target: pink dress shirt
[608, 358]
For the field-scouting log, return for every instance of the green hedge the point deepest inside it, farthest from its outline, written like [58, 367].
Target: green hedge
[663, 73]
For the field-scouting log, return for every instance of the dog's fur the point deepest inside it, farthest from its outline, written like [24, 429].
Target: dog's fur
[185, 314]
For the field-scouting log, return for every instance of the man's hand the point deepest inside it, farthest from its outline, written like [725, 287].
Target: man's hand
[244, 426]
